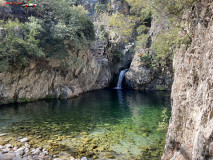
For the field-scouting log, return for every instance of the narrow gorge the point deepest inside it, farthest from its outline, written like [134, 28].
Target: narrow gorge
[106, 79]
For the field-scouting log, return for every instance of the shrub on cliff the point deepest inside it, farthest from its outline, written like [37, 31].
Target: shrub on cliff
[119, 24]
[169, 13]
[44, 34]
[66, 22]
[20, 43]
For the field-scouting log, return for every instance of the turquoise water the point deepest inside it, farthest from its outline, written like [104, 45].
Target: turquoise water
[122, 123]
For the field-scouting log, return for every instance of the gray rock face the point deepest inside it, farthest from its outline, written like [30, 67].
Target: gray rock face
[48, 79]
[190, 133]
[140, 77]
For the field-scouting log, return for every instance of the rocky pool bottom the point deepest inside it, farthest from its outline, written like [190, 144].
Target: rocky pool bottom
[104, 124]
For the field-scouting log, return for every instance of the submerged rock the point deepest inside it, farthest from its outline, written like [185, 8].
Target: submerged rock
[23, 140]
[110, 156]
[17, 158]
[7, 156]
[3, 134]
[8, 146]
[6, 150]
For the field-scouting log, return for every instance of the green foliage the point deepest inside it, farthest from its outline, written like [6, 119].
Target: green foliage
[44, 34]
[163, 125]
[67, 22]
[160, 87]
[176, 7]
[122, 25]
[142, 41]
[140, 8]
[20, 44]
[166, 42]
[142, 29]
[99, 7]
[102, 34]
[172, 7]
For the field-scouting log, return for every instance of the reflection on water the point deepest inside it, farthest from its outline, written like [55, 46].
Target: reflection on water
[124, 119]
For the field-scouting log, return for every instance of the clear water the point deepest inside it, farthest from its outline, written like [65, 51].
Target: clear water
[97, 124]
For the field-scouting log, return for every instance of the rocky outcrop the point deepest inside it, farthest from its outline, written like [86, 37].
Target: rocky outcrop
[49, 80]
[190, 133]
[142, 77]
[82, 71]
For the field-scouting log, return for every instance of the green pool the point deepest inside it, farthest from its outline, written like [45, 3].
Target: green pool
[110, 124]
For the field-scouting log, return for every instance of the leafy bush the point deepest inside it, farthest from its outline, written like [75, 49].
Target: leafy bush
[140, 8]
[67, 22]
[163, 46]
[44, 34]
[102, 33]
[142, 29]
[166, 42]
[20, 43]
[99, 7]
[142, 41]
[122, 25]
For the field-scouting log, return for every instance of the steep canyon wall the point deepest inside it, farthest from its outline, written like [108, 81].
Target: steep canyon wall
[190, 133]
[48, 79]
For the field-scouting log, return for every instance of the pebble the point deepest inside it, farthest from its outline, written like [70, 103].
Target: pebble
[20, 149]
[1, 147]
[46, 152]
[23, 140]
[5, 150]
[3, 134]
[15, 148]
[26, 150]
[19, 153]
[17, 158]
[36, 152]
[8, 152]
[110, 156]
[26, 154]
[27, 145]
[7, 156]
[8, 146]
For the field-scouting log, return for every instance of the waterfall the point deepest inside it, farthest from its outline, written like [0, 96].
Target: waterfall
[121, 76]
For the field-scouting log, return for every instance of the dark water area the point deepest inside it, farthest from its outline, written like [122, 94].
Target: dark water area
[122, 122]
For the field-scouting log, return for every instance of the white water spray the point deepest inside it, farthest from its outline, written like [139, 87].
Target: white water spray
[121, 76]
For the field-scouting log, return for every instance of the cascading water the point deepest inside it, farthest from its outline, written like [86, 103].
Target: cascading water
[121, 76]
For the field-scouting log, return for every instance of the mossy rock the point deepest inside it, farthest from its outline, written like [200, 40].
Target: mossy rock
[83, 133]
[100, 149]
[160, 88]
[109, 156]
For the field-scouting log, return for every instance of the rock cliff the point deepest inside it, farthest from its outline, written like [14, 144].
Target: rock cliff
[89, 69]
[190, 133]
[48, 79]
[142, 77]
